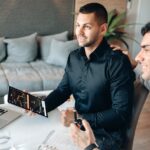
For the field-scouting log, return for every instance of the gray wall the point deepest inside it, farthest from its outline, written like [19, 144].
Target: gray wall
[138, 13]
[23, 17]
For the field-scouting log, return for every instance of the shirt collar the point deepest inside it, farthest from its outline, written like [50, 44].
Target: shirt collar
[99, 51]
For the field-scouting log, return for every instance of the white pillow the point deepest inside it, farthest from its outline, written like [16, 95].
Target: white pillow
[2, 49]
[23, 49]
[45, 42]
[59, 52]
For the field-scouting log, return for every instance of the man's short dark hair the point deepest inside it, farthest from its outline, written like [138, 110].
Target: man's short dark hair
[145, 29]
[99, 10]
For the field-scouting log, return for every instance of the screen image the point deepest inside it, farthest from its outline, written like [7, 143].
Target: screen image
[27, 101]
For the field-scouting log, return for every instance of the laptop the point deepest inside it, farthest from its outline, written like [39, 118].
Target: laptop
[7, 116]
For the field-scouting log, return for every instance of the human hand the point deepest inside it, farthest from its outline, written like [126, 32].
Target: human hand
[67, 116]
[82, 138]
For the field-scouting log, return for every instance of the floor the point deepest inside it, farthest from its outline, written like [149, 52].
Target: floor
[142, 134]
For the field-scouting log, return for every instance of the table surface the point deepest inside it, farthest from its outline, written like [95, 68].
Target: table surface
[31, 131]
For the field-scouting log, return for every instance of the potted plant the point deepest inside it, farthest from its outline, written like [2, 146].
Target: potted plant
[116, 28]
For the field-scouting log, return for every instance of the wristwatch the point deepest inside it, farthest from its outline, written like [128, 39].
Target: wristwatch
[91, 147]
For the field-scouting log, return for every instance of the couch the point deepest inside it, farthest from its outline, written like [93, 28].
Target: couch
[34, 43]
[40, 63]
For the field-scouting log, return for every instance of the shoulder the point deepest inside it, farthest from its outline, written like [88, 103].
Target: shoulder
[118, 58]
[119, 64]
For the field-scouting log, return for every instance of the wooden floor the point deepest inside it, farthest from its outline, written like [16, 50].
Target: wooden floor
[142, 134]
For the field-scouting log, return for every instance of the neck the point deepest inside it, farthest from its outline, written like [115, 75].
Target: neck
[92, 48]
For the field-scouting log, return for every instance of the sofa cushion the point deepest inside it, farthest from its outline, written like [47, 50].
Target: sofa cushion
[2, 49]
[22, 76]
[23, 49]
[59, 52]
[45, 42]
[51, 75]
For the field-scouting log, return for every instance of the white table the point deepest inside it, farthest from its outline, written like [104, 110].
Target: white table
[32, 130]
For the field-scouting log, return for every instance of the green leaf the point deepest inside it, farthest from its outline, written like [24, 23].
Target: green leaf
[117, 20]
[111, 15]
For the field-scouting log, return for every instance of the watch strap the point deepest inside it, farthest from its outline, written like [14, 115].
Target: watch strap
[91, 147]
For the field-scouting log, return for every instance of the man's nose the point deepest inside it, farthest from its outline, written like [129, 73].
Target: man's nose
[140, 56]
[80, 31]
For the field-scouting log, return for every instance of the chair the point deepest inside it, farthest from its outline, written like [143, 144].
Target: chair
[139, 99]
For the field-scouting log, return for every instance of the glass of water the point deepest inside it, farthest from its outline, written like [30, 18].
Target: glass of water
[5, 140]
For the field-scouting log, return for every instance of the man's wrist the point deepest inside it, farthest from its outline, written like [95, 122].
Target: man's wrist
[92, 146]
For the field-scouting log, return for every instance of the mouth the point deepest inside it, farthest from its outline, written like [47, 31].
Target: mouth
[144, 67]
[81, 38]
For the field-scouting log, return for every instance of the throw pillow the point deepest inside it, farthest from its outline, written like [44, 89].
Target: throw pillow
[59, 52]
[45, 42]
[2, 49]
[23, 49]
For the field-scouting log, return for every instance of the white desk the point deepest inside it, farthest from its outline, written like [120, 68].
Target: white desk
[32, 130]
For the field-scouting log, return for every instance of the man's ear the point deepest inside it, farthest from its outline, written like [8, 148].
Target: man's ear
[103, 29]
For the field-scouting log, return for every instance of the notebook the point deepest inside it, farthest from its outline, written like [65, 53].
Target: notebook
[7, 116]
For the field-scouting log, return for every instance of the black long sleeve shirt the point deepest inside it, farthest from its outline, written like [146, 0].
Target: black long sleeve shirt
[101, 85]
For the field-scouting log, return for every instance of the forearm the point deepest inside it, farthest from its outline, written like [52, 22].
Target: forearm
[109, 119]
[55, 99]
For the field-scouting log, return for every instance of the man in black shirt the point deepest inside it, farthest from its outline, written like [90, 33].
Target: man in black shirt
[100, 79]
[86, 140]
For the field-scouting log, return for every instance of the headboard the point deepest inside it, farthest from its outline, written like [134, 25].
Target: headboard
[23, 17]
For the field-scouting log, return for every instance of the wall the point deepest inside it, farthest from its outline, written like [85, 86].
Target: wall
[120, 5]
[23, 17]
[138, 13]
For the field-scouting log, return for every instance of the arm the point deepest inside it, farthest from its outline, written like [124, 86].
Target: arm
[59, 95]
[121, 78]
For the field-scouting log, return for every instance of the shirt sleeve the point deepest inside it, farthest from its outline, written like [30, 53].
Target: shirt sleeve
[137, 71]
[121, 78]
[59, 95]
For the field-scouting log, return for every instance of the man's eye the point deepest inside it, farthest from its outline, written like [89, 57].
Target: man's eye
[87, 27]
[146, 47]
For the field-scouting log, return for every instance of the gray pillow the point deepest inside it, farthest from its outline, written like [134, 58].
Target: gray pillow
[23, 49]
[2, 49]
[45, 42]
[59, 52]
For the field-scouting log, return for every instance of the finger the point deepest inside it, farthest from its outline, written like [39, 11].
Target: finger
[70, 109]
[74, 131]
[87, 126]
[73, 127]
[26, 111]
[88, 129]
[116, 48]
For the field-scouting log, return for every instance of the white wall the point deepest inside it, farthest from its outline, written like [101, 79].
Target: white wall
[138, 12]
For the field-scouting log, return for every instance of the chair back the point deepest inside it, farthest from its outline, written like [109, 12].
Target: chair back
[140, 96]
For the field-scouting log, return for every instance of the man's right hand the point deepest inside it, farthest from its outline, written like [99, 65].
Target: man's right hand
[83, 138]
